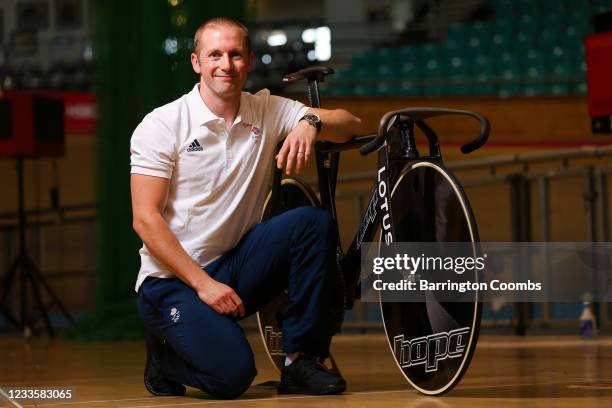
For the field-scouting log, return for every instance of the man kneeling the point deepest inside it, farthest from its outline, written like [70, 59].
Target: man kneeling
[200, 168]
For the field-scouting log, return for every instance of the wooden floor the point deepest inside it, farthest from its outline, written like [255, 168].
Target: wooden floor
[506, 372]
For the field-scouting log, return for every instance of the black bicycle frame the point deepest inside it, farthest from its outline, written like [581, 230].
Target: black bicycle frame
[398, 149]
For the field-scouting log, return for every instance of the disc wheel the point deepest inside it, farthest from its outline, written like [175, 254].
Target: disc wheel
[429, 205]
[294, 193]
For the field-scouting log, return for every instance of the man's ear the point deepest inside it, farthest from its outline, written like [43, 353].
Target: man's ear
[195, 64]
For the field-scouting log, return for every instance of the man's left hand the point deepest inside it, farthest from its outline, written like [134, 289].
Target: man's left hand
[297, 148]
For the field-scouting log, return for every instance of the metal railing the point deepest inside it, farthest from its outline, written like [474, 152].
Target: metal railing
[527, 177]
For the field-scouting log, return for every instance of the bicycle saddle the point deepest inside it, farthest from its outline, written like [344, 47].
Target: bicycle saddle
[311, 73]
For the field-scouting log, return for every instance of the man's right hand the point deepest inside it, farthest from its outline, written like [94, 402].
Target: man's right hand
[149, 196]
[221, 298]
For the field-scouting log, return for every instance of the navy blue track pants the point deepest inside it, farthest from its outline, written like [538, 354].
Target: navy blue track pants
[207, 350]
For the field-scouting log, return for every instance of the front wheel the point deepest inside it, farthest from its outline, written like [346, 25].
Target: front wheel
[429, 205]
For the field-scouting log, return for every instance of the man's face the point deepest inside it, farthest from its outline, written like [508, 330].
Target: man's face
[223, 62]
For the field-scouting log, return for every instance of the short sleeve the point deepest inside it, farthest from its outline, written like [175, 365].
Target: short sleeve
[152, 148]
[286, 113]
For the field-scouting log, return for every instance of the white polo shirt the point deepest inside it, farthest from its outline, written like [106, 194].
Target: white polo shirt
[218, 179]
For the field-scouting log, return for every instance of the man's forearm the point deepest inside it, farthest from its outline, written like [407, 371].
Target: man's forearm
[164, 246]
[338, 125]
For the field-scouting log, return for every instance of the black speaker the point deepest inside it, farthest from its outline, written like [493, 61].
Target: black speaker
[6, 123]
[48, 119]
[602, 22]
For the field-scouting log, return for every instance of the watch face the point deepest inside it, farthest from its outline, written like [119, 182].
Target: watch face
[313, 119]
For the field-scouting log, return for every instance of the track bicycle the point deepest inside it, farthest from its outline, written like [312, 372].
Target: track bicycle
[426, 203]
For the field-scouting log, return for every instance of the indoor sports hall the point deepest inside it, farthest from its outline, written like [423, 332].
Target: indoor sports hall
[467, 250]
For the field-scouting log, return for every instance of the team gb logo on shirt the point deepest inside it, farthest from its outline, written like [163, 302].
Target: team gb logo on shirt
[255, 132]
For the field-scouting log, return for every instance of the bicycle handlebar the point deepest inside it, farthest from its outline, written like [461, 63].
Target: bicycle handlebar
[419, 114]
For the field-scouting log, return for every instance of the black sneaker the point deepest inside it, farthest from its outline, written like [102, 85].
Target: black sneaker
[154, 380]
[306, 376]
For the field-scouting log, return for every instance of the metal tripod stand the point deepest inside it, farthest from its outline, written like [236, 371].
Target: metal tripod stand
[24, 269]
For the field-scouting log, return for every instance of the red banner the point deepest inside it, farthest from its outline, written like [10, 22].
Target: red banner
[599, 63]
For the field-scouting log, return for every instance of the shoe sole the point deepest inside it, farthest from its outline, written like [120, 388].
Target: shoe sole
[294, 389]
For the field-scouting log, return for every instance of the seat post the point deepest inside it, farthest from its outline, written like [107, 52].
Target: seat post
[312, 90]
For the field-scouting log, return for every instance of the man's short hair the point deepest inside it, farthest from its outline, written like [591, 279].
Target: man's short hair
[217, 21]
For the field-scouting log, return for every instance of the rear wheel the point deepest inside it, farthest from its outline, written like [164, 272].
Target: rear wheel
[429, 205]
[294, 193]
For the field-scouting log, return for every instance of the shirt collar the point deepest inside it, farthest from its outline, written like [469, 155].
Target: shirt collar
[202, 115]
[200, 112]
[245, 114]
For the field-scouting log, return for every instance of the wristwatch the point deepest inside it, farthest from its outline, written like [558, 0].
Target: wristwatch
[313, 119]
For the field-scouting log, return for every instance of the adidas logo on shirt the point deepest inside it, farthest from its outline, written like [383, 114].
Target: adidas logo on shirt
[195, 146]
